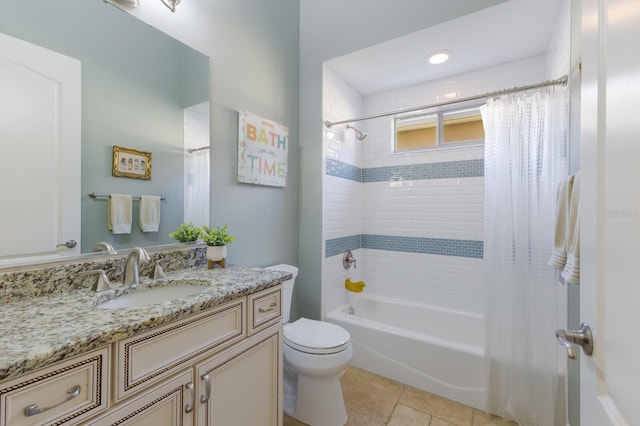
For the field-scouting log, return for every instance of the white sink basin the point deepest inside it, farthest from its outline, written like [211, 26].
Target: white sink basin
[151, 296]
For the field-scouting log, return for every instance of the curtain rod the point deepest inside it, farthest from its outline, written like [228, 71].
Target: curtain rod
[562, 81]
[191, 150]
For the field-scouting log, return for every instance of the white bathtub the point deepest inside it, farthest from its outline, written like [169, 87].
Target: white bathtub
[431, 348]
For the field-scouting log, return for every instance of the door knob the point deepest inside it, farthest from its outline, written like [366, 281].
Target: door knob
[69, 244]
[581, 337]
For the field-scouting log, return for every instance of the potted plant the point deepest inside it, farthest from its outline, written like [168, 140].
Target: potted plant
[216, 239]
[186, 233]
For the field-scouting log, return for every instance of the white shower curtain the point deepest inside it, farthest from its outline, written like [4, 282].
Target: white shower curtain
[525, 160]
[196, 164]
[196, 187]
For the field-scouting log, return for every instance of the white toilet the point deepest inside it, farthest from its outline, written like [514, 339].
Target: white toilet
[315, 353]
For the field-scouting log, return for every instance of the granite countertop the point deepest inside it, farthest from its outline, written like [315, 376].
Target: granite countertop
[42, 330]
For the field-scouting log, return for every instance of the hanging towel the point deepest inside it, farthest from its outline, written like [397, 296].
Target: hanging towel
[559, 252]
[571, 271]
[119, 213]
[149, 216]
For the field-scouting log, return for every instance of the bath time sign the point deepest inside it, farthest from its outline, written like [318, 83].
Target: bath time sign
[263, 146]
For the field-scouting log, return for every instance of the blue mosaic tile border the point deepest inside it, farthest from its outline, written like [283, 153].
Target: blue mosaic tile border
[339, 245]
[343, 170]
[445, 170]
[439, 246]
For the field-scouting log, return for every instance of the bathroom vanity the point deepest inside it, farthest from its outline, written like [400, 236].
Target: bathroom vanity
[213, 357]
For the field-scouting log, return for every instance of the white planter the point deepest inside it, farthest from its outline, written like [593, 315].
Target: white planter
[216, 253]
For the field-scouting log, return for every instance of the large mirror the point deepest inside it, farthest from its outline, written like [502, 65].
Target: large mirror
[136, 84]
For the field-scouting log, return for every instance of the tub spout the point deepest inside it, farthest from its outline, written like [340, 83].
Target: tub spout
[355, 287]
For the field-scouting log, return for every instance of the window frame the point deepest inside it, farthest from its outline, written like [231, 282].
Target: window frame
[440, 117]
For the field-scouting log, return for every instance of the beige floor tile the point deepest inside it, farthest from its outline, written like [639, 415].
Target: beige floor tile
[290, 421]
[450, 411]
[439, 422]
[407, 416]
[369, 398]
[481, 418]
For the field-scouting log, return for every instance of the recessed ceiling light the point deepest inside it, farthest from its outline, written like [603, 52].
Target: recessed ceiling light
[438, 58]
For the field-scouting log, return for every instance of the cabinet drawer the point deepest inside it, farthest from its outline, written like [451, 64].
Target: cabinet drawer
[65, 393]
[146, 358]
[171, 402]
[265, 308]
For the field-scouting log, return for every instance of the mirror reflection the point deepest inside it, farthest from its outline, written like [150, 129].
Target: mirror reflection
[139, 89]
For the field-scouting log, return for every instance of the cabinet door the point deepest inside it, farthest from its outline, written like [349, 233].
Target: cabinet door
[170, 403]
[243, 386]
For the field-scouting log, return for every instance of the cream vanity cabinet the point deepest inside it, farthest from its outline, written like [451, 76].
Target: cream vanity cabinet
[67, 392]
[222, 366]
[242, 386]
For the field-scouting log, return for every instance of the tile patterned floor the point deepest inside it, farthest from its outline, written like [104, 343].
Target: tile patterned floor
[372, 400]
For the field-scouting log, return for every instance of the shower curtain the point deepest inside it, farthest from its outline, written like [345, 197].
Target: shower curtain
[196, 187]
[525, 160]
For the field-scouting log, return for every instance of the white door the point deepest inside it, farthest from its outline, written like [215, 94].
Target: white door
[39, 151]
[610, 208]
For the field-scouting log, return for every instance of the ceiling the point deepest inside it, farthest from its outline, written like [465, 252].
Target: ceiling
[510, 31]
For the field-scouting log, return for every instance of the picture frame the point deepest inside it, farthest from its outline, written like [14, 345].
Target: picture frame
[263, 150]
[131, 163]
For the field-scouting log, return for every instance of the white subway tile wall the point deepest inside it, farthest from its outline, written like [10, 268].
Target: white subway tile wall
[413, 220]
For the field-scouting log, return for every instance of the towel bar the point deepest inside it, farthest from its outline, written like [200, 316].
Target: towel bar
[133, 197]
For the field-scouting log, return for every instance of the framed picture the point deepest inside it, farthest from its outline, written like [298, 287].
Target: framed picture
[263, 147]
[131, 163]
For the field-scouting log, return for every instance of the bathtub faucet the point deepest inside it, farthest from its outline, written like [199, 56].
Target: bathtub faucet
[348, 259]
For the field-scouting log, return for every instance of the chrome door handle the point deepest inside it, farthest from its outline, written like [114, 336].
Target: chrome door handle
[272, 307]
[207, 389]
[581, 337]
[34, 409]
[69, 244]
[189, 407]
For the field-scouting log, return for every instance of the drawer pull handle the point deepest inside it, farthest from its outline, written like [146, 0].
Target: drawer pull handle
[189, 407]
[207, 389]
[272, 307]
[33, 409]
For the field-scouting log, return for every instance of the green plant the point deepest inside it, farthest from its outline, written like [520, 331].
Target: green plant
[217, 236]
[186, 232]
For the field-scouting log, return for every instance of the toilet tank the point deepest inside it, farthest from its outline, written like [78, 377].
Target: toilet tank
[287, 289]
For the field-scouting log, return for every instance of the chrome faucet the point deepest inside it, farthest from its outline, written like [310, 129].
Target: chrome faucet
[348, 260]
[105, 246]
[130, 274]
[101, 284]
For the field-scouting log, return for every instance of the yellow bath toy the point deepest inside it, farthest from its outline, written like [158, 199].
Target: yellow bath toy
[355, 287]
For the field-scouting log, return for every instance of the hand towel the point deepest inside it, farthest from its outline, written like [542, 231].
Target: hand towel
[149, 215]
[119, 213]
[559, 252]
[571, 271]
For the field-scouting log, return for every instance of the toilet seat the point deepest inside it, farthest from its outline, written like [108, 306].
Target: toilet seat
[316, 337]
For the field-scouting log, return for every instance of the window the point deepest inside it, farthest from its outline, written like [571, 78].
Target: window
[436, 130]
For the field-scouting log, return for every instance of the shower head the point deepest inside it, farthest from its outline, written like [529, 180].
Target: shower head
[359, 133]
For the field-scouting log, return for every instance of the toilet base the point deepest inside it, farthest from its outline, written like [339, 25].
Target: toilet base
[319, 401]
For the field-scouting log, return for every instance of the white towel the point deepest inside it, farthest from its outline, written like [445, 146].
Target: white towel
[149, 215]
[571, 271]
[559, 252]
[119, 213]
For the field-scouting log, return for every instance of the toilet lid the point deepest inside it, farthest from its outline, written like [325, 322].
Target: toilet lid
[316, 336]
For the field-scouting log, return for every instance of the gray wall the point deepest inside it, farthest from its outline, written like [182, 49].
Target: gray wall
[133, 93]
[255, 53]
[329, 29]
